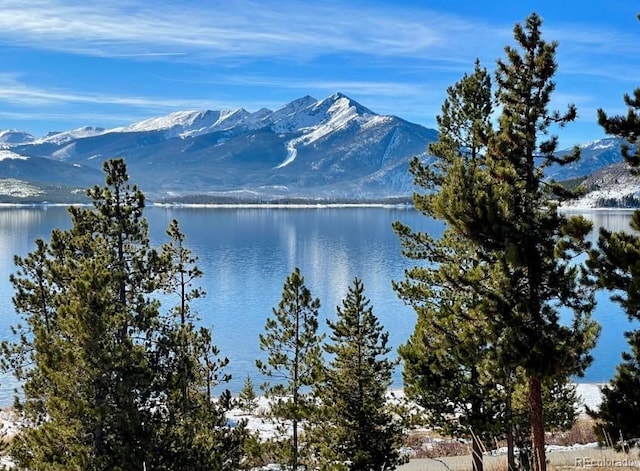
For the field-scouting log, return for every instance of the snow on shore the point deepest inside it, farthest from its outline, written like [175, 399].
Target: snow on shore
[589, 395]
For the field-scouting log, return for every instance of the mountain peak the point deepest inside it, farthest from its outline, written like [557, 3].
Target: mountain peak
[294, 106]
[67, 136]
[13, 136]
[341, 101]
[188, 123]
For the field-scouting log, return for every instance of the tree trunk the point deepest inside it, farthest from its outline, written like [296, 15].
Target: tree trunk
[539, 459]
[476, 411]
[477, 454]
[511, 456]
[294, 458]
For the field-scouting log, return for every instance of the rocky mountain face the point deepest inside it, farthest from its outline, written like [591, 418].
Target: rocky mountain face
[333, 148]
[330, 148]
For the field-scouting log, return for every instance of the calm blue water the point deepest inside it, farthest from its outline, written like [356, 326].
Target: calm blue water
[246, 254]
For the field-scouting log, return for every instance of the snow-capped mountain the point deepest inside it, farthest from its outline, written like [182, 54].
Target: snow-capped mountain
[188, 123]
[593, 156]
[59, 138]
[35, 179]
[327, 148]
[14, 137]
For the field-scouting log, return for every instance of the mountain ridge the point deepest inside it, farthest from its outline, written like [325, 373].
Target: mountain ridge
[332, 148]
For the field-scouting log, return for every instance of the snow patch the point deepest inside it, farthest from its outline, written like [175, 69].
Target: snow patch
[59, 138]
[592, 199]
[589, 395]
[599, 144]
[8, 155]
[189, 123]
[18, 188]
[11, 137]
[292, 153]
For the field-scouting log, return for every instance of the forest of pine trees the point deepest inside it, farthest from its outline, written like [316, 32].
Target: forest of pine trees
[114, 379]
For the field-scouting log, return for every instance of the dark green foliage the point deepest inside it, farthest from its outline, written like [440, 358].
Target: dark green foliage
[248, 398]
[617, 264]
[91, 380]
[355, 426]
[450, 366]
[294, 360]
[516, 217]
[192, 430]
[110, 382]
[505, 264]
[627, 127]
[617, 417]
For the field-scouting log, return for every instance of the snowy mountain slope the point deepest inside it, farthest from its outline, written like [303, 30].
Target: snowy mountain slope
[307, 147]
[613, 185]
[593, 156]
[13, 137]
[43, 170]
[59, 138]
[333, 147]
[188, 123]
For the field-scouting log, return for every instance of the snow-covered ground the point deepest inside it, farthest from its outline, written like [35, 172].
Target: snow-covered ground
[257, 421]
[590, 396]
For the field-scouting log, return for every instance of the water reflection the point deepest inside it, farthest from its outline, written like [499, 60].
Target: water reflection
[246, 254]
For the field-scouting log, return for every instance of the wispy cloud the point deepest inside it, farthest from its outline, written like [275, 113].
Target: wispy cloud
[236, 29]
[13, 91]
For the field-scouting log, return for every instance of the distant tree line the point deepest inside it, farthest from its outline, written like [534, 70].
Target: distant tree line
[283, 200]
[626, 201]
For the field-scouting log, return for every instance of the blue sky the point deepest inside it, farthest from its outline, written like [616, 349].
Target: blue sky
[67, 64]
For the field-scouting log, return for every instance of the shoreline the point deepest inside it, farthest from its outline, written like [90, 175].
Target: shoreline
[282, 205]
[310, 205]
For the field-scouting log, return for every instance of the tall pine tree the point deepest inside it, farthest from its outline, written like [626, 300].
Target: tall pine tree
[192, 431]
[502, 206]
[90, 386]
[294, 360]
[356, 427]
[448, 357]
[517, 215]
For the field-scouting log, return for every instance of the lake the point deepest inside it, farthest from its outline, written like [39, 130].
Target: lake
[246, 254]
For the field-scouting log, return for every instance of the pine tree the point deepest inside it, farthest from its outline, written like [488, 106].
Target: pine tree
[248, 397]
[100, 364]
[294, 358]
[505, 210]
[518, 216]
[616, 265]
[91, 383]
[356, 427]
[192, 432]
[448, 357]
[617, 416]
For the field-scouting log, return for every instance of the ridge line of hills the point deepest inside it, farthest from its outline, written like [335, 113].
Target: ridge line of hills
[329, 150]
